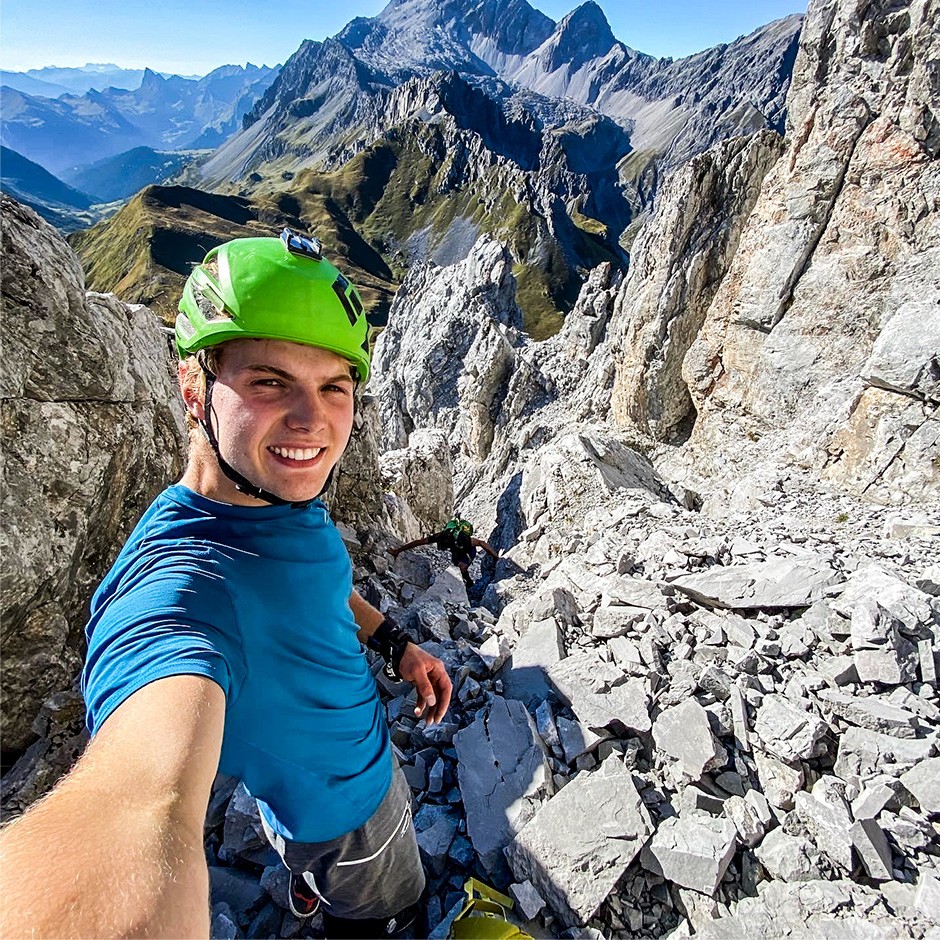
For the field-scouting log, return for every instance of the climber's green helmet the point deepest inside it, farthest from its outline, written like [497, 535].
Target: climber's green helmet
[273, 288]
[459, 525]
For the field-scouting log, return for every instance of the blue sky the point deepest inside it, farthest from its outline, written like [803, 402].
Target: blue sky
[192, 37]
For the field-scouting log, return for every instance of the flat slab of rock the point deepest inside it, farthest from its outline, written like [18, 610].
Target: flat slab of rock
[923, 782]
[623, 591]
[683, 732]
[870, 712]
[528, 901]
[789, 732]
[525, 676]
[787, 582]
[503, 772]
[610, 622]
[872, 846]
[581, 842]
[693, 852]
[587, 683]
[865, 753]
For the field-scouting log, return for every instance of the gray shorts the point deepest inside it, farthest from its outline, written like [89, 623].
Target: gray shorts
[374, 871]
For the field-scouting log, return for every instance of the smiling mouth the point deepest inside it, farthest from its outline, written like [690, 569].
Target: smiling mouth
[297, 454]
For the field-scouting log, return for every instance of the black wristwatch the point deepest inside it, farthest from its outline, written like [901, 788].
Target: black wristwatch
[389, 641]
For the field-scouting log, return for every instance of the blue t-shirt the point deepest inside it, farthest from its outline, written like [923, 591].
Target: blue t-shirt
[257, 599]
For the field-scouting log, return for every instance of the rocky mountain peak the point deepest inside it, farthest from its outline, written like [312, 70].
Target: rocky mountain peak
[152, 79]
[584, 33]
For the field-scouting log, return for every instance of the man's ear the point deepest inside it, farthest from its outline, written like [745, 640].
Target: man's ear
[192, 389]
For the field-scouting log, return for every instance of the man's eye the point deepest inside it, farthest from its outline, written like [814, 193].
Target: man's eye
[268, 383]
[336, 388]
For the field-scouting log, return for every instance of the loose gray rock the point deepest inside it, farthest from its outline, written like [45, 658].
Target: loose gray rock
[582, 841]
[864, 753]
[693, 852]
[789, 857]
[528, 901]
[683, 732]
[577, 739]
[870, 712]
[538, 649]
[788, 732]
[598, 693]
[504, 772]
[779, 781]
[827, 816]
[923, 782]
[770, 585]
[872, 846]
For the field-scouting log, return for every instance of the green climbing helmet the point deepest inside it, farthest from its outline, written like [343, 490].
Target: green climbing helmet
[459, 526]
[485, 916]
[273, 288]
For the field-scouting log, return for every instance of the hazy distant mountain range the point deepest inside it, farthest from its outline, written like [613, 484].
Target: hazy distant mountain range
[163, 113]
[62, 205]
[52, 81]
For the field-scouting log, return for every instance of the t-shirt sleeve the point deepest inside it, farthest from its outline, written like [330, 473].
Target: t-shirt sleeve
[164, 623]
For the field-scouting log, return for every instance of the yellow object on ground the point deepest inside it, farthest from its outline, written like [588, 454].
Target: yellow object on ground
[484, 916]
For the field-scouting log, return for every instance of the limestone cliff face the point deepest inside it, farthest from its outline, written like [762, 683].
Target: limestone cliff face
[677, 264]
[91, 432]
[454, 359]
[784, 311]
[823, 341]
[448, 351]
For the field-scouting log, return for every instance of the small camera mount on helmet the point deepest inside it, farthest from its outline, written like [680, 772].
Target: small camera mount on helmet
[307, 246]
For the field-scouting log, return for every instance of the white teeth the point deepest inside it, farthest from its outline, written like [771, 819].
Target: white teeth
[297, 453]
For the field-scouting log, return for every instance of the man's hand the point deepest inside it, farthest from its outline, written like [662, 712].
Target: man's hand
[429, 677]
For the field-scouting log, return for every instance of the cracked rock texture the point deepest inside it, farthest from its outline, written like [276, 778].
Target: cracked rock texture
[91, 432]
[822, 341]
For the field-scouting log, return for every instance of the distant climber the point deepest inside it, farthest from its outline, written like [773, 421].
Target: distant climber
[457, 538]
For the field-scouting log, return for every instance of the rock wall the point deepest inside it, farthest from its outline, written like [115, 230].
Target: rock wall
[822, 344]
[453, 359]
[91, 433]
[781, 310]
[677, 264]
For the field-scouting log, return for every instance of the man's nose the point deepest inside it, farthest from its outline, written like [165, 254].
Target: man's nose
[306, 412]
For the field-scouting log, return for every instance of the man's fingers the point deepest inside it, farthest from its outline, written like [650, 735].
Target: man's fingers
[444, 686]
[426, 697]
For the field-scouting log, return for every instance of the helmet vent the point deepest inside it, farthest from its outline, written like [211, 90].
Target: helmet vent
[209, 308]
[340, 286]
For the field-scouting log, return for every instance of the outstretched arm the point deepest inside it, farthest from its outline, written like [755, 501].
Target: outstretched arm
[486, 546]
[395, 552]
[425, 672]
[116, 848]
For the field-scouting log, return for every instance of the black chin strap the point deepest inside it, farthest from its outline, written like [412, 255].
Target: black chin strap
[242, 484]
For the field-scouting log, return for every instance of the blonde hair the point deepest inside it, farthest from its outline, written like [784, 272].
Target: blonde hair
[192, 376]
